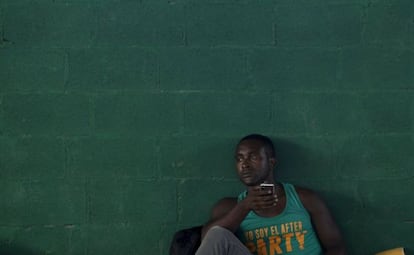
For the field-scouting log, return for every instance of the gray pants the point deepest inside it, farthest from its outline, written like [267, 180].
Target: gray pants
[220, 241]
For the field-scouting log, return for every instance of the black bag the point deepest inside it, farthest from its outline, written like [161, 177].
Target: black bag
[186, 241]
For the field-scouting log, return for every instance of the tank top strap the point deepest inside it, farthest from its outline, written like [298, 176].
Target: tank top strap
[292, 196]
[242, 196]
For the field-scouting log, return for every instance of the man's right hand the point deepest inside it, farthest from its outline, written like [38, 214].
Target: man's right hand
[258, 199]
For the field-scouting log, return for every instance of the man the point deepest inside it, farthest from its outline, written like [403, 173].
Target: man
[283, 220]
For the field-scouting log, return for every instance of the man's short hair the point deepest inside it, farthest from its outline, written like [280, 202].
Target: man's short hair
[267, 142]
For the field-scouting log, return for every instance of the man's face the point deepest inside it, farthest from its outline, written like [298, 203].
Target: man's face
[253, 164]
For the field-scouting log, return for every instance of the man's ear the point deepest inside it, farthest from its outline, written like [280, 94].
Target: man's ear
[273, 161]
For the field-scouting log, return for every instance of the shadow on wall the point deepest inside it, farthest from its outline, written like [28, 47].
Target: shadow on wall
[8, 249]
[302, 167]
[287, 153]
[294, 161]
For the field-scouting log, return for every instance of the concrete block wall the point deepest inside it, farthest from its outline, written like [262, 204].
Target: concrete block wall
[118, 119]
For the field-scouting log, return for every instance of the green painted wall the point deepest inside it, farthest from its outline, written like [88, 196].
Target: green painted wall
[118, 118]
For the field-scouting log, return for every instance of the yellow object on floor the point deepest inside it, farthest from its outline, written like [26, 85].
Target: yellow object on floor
[396, 251]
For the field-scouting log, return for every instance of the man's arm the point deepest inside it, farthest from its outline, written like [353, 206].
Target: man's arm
[325, 226]
[226, 213]
[229, 213]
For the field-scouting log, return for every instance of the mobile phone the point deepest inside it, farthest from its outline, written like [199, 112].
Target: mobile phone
[268, 186]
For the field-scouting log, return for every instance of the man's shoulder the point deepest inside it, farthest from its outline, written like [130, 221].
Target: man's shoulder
[309, 198]
[223, 206]
[225, 201]
[304, 192]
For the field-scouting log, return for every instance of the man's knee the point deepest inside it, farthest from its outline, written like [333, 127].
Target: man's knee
[218, 231]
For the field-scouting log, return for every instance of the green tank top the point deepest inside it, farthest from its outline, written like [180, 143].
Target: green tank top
[290, 232]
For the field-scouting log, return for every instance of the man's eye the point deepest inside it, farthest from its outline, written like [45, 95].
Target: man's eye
[238, 159]
[253, 157]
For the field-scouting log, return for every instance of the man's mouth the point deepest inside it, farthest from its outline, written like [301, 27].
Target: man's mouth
[246, 175]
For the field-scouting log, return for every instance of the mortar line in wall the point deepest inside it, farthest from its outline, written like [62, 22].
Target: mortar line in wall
[323, 179]
[221, 135]
[271, 112]
[254, 92]
[240, 47]
[87, 200]
[65, 225]
[65, 157]
[248, 68]
[87, 211]
[3, 41]
[30, 180]
[1, 26]
[212, 92]
[184, 117]
[1, 109]
[49, 92]
[157, 144]
[352, 179]
[339, 69]
[177, 202]
[66, 71]
[158, 82]
[92, 117]
[180, 209]
[185, 34]
[364, 21]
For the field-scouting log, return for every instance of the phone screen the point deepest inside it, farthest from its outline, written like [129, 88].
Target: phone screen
[268, 186]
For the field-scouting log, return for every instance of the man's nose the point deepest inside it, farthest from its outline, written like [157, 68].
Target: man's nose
[245, 163]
